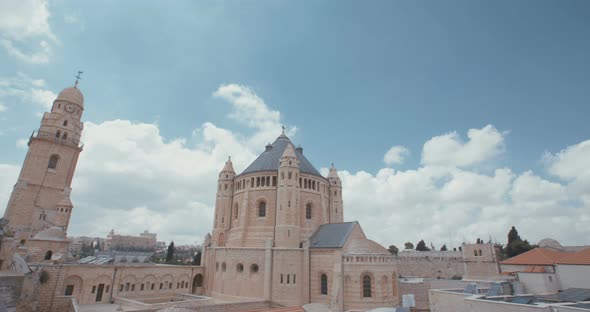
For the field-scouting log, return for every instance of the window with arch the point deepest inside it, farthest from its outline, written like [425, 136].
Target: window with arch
[254, 268]
[53, 162]
[65, 136]
[262, 209]
[324, 284]
[366, 286]
[240, 268]
[308, 211]
[236, 211]
[58, 134]
[475, 252]
[48, 255]
[223, 267]
[65, 123]
[480, 252]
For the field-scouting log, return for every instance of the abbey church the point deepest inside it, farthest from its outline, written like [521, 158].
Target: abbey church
[278, 237]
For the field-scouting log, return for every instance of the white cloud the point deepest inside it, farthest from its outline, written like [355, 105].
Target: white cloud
[22, 143]
[25, 89]
[449, 150]
[250, 110]
[396, 155]
[3, 107]
[131, 178]
[24, 25]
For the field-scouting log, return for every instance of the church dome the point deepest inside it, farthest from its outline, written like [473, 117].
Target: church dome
[550, 243]
[270, 159]
[72, 95]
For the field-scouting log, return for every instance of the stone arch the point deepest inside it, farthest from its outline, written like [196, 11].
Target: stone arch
[48, 255]
[150, 282]
[367, 285]
[53, 160]
[198, 284]
[167, 281]
[73, 286]
[384, 286]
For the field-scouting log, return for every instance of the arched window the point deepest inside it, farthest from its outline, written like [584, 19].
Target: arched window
[65, 136]
[254, 268]
[223, 267]
[366, 286]
[48, 255]
[308, 211]
[58, 134]
[480, 252]
[324, 284]
[240, 267]
[53, 162]
[262, 209]
[236, 211]
[475, 252]
[65, 123]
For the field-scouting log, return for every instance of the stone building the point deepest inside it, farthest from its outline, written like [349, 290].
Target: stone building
[145, 241]
[39, 207]
[278, 235]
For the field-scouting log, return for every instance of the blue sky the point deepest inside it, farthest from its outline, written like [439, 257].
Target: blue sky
[353, 78]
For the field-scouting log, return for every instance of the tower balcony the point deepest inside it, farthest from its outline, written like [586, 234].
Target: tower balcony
[50, 136]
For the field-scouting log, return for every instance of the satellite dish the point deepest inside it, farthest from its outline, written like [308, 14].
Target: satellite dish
[56, 256]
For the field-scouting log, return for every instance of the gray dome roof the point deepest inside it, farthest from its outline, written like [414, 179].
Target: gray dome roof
[269, 160]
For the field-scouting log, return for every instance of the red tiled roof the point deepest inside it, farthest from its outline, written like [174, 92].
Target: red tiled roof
[534, 269]
[581, 257]
[537, 256]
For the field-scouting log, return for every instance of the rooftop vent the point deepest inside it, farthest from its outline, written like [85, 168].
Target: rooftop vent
[268, 147]
[299, 149]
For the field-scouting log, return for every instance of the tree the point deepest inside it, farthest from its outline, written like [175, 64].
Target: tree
[516, 245]
[409, 245]
[393, 249]
[444, 247]
[170, 253]
[197, 258]
[422, 246]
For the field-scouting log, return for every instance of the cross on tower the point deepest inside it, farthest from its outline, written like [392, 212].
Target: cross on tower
[283, 127]
[78, 78]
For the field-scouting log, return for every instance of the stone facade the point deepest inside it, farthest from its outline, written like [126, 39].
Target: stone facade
[40, 200]
[145, 241]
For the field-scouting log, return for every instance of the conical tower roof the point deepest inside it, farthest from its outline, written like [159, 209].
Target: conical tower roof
[269, 160]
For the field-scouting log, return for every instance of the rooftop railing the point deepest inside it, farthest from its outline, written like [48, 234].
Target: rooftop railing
[50, 136]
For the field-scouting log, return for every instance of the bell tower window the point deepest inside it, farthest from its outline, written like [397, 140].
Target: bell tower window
[262, 209]
[65, 123]
[308, 211]
[65, 136]
[53, 162]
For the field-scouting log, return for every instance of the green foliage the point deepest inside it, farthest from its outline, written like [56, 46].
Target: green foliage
[197, 258]
[409, 245]
[170, 253]
[444, 247]
[422, 246]
[516, 245]
[393, 249]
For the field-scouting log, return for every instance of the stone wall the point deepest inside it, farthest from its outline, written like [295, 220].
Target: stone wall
[430, 264]
[11, 285]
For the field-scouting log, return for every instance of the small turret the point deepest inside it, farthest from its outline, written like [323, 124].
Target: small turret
[336, 204]
[287, 228]
[223, 202]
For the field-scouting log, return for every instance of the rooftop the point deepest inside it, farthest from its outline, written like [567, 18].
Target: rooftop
[269, 160]
[331, 235]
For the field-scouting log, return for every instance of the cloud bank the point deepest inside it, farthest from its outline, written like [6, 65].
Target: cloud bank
[131, 178]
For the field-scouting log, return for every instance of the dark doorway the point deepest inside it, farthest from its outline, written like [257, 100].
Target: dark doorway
[99, 292]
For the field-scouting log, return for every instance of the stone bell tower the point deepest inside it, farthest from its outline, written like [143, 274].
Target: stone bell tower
[287, 227]
[223, 203]
[336, 204]
[39, 207]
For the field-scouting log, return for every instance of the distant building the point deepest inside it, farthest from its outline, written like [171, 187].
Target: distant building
[144, 242]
